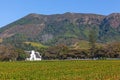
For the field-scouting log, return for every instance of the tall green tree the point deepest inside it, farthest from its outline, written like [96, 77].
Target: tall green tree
[92, 40]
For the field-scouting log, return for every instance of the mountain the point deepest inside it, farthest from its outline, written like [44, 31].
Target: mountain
[110, 28]
[67, 28]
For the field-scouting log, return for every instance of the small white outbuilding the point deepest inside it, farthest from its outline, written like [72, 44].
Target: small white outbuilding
[34, 56]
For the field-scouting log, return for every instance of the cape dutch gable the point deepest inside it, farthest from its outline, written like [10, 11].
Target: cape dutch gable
[34, 56]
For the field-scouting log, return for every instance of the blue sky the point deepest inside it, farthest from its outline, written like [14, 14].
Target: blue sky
[11, 10]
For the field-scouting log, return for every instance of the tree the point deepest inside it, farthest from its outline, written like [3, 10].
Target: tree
[92, 40]
[21, 54]
[56, 52]
[8, 53]
[113, 50]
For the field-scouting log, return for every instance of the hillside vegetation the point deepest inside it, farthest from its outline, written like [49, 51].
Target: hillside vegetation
[85, 45]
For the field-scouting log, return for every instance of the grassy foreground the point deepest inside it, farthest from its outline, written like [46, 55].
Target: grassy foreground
[60, 70]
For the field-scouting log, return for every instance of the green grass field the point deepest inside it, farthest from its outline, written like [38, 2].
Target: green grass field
[35, 44]
[61, 70]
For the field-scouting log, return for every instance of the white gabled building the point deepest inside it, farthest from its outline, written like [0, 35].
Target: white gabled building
[34, 56]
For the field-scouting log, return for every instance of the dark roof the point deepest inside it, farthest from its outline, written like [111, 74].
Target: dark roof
[37, 55]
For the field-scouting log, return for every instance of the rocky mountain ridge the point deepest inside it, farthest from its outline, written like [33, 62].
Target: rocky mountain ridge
[65, 28]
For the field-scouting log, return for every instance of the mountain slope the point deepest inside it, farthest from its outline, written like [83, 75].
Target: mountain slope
[67, 28]
[110, 28]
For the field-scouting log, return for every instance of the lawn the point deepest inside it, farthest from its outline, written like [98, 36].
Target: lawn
[35, 44]
[61, 70]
